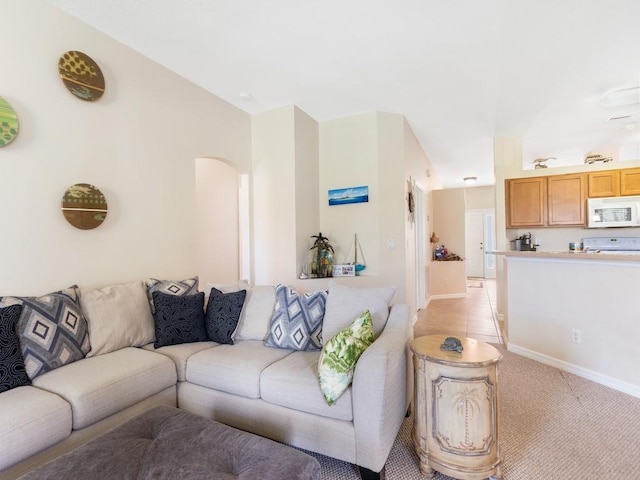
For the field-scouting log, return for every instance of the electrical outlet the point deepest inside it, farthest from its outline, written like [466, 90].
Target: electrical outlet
[576, 336]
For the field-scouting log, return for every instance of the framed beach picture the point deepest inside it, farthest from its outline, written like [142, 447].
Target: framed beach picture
[343, 196]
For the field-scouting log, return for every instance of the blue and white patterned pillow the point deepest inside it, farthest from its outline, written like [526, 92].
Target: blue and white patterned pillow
[53, 331]
[188, 286]
[296, 322]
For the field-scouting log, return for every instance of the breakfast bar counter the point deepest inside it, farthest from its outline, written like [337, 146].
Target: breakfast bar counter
[576, 311]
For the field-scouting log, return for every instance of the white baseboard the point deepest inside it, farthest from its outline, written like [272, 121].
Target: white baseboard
[600, 378]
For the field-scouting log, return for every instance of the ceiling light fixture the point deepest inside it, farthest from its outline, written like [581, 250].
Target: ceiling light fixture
[245, 95]
[469, 180]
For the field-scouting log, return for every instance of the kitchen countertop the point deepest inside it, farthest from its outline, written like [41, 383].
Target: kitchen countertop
[571, 255]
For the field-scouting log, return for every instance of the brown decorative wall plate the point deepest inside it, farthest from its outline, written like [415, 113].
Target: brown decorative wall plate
[81, 75]
[84, 206]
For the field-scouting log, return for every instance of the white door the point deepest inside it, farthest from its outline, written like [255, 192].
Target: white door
[480, 239]
[474, 243]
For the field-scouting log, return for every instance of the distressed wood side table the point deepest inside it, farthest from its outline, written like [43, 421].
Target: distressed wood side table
[455, 427]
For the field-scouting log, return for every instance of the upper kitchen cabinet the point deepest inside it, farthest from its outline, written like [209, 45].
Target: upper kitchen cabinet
[566, 199]
[604, 184]
[630, 181]
[526, 200]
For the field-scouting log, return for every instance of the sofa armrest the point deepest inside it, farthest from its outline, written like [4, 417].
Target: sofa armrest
[382, 390]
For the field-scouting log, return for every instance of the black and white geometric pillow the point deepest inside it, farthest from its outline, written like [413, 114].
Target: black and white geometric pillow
[296, 323]
[12, 371]
[188, 286]
[53, 331]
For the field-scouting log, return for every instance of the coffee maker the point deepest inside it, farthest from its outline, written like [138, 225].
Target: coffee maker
[523, 243]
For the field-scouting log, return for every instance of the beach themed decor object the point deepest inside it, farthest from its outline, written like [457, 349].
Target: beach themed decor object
[8, 123]
[343, 196]
[81, 75]
[84, 206]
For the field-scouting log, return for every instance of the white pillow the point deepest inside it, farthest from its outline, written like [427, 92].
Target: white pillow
[118, 316]
[345, 304]
[256, 313]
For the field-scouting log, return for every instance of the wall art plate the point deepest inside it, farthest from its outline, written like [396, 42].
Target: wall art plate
[8, 123]
[84, 206]
[81, 75]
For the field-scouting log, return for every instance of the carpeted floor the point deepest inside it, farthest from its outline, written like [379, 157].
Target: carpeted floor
[553, 425]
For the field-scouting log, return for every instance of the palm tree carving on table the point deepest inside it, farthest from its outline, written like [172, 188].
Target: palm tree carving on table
[466, 402]
[322, 265]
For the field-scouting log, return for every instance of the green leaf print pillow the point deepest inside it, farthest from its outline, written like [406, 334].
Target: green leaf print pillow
[340, 354]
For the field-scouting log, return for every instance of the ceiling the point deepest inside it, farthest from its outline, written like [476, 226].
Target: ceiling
[462, 72]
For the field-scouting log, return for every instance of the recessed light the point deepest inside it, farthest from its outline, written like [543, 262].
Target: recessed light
[469, 180]
[245, 95]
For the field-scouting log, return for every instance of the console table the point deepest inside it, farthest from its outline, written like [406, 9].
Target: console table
[455, 427]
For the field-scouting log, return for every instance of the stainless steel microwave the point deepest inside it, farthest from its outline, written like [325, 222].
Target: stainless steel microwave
[613, 212]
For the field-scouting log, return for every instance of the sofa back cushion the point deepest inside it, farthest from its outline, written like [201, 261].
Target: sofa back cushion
[256, 313]
[345, 304]
[53, 331]
[118, 316]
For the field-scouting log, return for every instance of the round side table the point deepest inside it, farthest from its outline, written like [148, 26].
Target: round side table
[455, 427]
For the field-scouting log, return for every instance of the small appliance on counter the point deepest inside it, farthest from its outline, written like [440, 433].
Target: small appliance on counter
[523, 243]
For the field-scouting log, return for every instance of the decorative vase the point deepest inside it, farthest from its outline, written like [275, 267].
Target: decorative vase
[324, 262]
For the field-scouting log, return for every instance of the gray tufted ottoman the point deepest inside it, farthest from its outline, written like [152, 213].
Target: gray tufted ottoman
[167, 443]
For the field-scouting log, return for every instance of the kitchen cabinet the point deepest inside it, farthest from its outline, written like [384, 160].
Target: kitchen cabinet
[566, 199]
[604, 184]
[526, 202]
[630, 181]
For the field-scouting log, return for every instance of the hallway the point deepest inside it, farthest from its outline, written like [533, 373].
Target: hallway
[473, 316]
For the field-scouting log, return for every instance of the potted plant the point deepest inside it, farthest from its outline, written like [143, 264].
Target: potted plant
[322, 264]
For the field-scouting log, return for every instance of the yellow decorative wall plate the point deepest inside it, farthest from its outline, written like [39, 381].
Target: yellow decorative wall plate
[81, 75]
[8, 123]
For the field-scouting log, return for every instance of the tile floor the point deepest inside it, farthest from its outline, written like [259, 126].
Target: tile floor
[472, 316]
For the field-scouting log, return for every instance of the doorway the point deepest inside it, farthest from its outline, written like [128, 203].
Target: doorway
[420, 243]
[480, 239]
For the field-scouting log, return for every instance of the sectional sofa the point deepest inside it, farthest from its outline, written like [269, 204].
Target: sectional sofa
[95, 358]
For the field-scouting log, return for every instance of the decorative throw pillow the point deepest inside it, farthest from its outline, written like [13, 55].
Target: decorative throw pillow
[223, 313]
[178, 319]
[296, 322]
[52, 329]
[188, 286]
[344, 303]
[339, 356]
[12, 371]
[118, 316]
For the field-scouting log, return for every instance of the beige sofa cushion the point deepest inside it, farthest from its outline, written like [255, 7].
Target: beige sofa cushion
[234, 369]
[256, 313]
[100, 386]
[345, 304]
[118, 316]
[30, 421]
[293, 383]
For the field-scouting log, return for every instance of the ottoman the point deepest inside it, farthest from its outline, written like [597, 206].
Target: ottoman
[166, 442]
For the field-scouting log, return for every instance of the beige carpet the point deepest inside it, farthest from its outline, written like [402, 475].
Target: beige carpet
[553, 425]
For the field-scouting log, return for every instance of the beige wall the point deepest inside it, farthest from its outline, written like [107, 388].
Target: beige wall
[217, 214]
[449, 219]
[138, 144]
